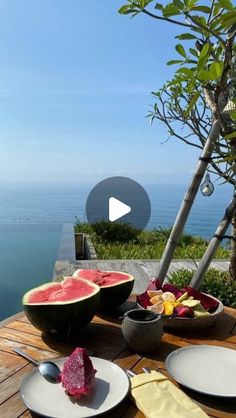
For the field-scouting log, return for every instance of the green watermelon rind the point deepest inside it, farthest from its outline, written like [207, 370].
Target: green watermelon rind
[62, 319]
[115, 294]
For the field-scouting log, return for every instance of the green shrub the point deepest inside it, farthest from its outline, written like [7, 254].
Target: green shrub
[83, 228]
[217, 283]
[115, 232]
[117, 241]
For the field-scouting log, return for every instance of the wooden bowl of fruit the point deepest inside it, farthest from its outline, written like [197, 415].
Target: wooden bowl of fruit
[181, 309]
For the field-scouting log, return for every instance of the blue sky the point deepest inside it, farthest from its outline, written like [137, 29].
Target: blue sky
[75, 83]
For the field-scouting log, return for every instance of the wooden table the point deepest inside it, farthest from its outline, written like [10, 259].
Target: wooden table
[102, 338]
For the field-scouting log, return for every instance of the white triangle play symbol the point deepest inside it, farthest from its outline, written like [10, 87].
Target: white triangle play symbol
[117, 209]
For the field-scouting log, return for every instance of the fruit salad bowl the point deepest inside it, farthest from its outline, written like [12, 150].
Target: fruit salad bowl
[184, 309]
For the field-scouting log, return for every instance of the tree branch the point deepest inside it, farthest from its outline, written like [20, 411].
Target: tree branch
[207, 29]
[167, 19]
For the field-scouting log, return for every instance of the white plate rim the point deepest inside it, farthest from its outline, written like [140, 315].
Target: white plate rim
[195, 346]
[64, 359]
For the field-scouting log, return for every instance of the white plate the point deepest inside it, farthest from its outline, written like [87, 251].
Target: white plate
[205, 368]
[50, 400]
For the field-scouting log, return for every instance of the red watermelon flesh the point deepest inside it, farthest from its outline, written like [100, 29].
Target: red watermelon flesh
[78, 374]
[69, 289]
[103, 278]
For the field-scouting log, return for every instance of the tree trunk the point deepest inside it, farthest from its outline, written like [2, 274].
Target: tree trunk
[189, 197]
[232, 265]
[214, 244]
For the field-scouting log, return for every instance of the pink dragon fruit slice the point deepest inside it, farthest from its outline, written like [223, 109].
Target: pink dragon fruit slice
[183, 312]
[144, 300]
[78, 374]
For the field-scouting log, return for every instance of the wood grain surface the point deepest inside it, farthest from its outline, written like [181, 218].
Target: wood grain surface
[103, 338]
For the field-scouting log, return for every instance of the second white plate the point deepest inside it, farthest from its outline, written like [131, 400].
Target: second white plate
[50, 400]
[205, 368]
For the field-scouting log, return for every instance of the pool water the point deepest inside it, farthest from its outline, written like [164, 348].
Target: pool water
[27, 257]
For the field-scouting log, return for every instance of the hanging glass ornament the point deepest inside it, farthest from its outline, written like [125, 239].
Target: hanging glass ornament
[207, 187]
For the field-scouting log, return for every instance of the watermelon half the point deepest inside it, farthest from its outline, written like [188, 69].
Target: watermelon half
[115, 286]
[62, 308]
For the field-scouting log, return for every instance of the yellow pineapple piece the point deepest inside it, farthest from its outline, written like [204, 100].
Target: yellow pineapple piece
[168, 308]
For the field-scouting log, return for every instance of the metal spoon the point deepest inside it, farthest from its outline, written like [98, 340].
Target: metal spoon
[49, 370]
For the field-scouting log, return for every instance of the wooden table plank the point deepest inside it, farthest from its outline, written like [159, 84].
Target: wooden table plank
[11, 385]
[9, 365]
[21, 338]
[25, 414]
[23, 327]
[13, 407]
[105, 339]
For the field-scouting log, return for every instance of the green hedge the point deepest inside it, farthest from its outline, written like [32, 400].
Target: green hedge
[122, 241]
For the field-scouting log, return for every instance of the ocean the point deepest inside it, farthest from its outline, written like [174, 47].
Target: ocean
[66, 203]
[31, 218]
[27, 257]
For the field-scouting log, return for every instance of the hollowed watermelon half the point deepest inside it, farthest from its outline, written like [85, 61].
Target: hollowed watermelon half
[115, 286]
[62, 308]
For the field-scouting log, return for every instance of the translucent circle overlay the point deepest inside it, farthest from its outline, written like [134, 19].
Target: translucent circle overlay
[125, 190]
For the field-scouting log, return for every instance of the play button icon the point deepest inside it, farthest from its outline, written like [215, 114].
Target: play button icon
[117, 209]
[120, 200]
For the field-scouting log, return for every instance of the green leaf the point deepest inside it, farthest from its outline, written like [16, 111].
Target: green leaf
[228, 19]
[180, 49]
[201, 26]
[216, 25]
[230, 136]
[144, 3]
[194, 52]
[186, 71]
[186, 36]
[190, 3]
[226, 4]
[159, 6]
[228, 159]
[216, 9]
[204, 9]
[174, 62]
[199, 20]
[203, 57]
[178, 3]
[233, 115]
[216, 70]
[156, 93]
[192, 103]
[170, 10]
[204, 75]
[127, 9]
